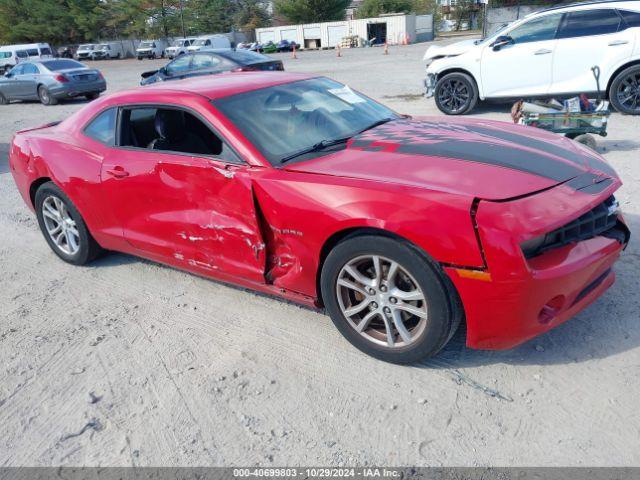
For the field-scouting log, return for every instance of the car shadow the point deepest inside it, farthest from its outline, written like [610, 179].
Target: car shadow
[617, 145]
[607, 327]
[4, 158]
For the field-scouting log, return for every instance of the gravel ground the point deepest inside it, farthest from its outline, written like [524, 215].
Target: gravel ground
[126, 362]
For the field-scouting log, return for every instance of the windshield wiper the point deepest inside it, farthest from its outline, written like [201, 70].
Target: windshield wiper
[332, 142]
[317, 147]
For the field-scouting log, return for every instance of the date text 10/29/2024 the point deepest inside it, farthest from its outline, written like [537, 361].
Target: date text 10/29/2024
[370, 472]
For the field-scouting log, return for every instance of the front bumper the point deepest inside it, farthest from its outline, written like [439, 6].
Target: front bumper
[430, 85]
[516, 298]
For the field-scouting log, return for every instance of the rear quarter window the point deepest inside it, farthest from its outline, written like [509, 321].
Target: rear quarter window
[103, 127]
[632, 19]
[589, 22]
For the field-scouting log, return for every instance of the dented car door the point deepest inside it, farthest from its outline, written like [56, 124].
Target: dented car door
[186, 210]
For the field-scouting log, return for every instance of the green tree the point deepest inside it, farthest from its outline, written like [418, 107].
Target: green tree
[311, 11]
[373, 8]
[251, 14]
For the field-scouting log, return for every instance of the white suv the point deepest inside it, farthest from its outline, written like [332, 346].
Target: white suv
[548, 53]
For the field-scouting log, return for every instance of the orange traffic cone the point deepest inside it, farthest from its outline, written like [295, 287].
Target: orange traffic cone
[386, 48]
[293, 52]
[338, 52]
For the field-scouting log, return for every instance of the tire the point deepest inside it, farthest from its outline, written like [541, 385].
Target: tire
[140, 58]
[3, 100]
[587, 140]
[45, 97]
[624, 93]
[87, 248]
[439, 311]
[456, 94]
[92, 95]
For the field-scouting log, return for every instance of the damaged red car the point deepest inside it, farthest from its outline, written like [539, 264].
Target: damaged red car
[300, 187]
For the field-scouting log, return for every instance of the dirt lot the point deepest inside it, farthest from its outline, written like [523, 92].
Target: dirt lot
[127, 362]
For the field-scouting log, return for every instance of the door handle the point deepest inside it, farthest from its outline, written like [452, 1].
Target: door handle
[542, 51]
[118, 172]
[618, 42]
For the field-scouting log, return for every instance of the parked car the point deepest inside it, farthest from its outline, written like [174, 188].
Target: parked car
[108, 51]
[287, 46]
[548, 53]
[11, 55]
[178, 47]
[85, 51]
[50, 81]
[302, 188]
[207, 62]
[255, 47]
[209, 41]
[269, 47]
[151, 49]
[67, 51]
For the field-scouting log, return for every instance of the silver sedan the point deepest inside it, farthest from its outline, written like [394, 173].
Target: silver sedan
[50, 81]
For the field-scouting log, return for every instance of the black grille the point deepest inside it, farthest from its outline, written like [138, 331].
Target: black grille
[597, 221]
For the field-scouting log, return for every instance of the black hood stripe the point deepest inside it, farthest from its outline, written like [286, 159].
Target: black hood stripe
[566, 153]
[477, 143]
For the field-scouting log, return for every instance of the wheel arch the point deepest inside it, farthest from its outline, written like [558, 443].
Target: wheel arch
[344, 234]
[35, 185]
[617, 72]
[447, 71]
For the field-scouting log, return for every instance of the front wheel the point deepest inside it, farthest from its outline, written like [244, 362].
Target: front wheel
[63, 226]
[3, 100]
[92, 95]
[456, 94]
[389, 299]
[624, 93]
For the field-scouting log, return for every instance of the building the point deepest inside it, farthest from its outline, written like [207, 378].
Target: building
[393, 29]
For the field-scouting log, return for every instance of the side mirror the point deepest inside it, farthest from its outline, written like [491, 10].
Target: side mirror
[501, 41]
[8, 75]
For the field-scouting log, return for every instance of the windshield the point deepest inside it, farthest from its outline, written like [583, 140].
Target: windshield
[85, 47]
[57, 65]
[104, 47]
[178, 43]
[200, 42]
[146, 45]
[289, 118]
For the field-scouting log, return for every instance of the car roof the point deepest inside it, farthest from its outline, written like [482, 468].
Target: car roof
[223, 85]
[633, 4]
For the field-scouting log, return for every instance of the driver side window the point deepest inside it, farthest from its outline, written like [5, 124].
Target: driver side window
[171, 130]
[537, 29]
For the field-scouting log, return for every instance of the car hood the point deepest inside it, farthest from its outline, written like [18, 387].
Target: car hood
[477, 158]
[453, 49]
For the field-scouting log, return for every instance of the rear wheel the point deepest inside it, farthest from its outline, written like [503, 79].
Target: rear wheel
[388, 299]
[63, 227]
[3, 100]
[456, 94]
[92, 95]
[624, 93]
[45, 97]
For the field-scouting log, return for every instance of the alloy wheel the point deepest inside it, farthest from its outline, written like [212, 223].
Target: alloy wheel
[629, 92]
[61, 228]
[454, 95]
[382, 301]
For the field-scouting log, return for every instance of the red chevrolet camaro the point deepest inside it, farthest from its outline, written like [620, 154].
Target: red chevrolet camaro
[300, 187]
